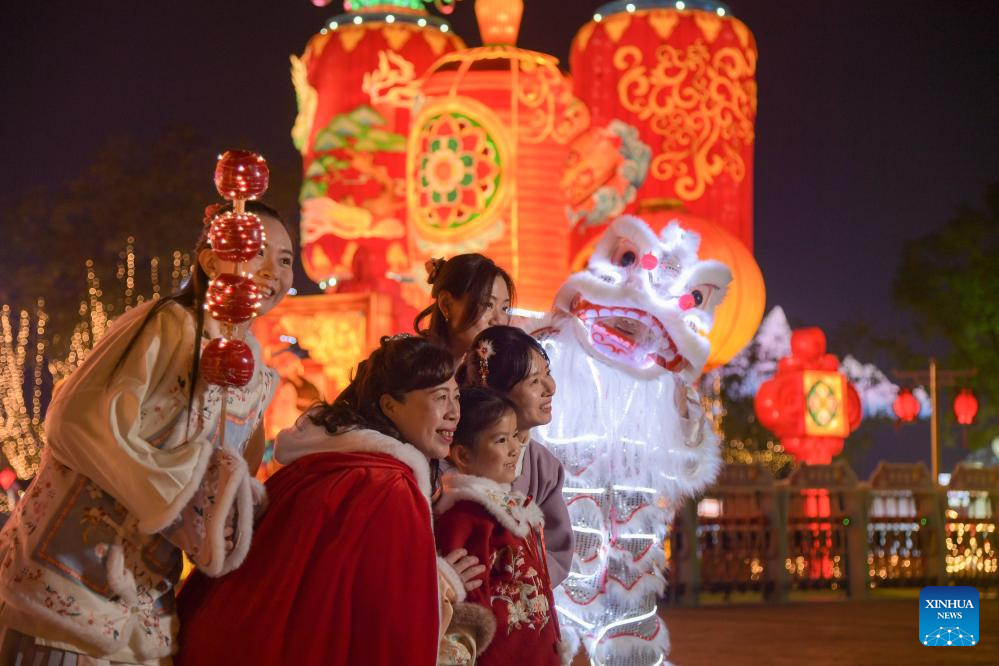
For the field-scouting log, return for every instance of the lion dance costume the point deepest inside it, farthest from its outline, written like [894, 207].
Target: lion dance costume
[626, 335]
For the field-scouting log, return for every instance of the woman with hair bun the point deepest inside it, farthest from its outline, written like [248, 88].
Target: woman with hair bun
[471, 293]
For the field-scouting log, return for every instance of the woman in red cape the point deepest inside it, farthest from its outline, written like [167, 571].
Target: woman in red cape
[343, 569]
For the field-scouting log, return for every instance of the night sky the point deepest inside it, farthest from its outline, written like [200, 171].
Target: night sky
[876, 119]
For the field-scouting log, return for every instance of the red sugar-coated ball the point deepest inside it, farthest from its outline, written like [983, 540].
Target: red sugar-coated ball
[232, 298]
[227, 362]
[236, 237]
[240, 174]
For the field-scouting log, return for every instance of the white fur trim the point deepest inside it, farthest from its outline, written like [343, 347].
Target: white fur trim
[570, 640]
[306, 438]
[452, 577]
[566, 651]
[478, 617]
[636, 596]
[234, 493]
[486, 492]
[121, 580]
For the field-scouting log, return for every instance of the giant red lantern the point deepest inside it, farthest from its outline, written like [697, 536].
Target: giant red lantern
[484, 155]
[965, 407]
[355, 85]
[685, 77]
[906, 406]
[809, 404]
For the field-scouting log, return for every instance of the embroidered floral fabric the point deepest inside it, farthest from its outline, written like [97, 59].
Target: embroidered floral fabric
[502, 529]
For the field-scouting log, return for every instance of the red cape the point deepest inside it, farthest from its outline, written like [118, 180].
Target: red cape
[342, 571]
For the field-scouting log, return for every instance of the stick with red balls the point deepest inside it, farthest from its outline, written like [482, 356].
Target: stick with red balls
[232, 298]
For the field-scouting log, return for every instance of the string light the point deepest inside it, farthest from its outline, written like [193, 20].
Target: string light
[25, 355]
[154, 274]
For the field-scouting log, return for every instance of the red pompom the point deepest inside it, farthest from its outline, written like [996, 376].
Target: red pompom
[232, 298]
[236, 237]
[227, 362]
[241, 174]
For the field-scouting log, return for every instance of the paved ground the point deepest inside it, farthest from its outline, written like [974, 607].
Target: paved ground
[840, 633]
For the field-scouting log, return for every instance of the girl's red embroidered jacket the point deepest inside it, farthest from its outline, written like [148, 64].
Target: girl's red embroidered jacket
[502, 528]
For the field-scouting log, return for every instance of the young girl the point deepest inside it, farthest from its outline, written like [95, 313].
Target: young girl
[503, 528]
[471, 293]
[343, 570]
[512, 363]
[133, 473]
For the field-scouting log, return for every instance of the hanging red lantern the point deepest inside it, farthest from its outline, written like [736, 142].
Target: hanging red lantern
[232, 298]
[240, 174]
[906, 406]
[236, 237]
[495, 120]
[809, 404]
[356, 85]
[965, 407]
[227, 363]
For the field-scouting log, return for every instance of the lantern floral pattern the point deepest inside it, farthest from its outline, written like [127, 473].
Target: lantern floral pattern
[459, 173]
[701, 105]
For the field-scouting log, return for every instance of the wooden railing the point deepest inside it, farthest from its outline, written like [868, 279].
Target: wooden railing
[823, 530]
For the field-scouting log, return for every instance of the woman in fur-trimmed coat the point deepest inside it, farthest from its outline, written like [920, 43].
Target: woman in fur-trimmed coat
[344, 570]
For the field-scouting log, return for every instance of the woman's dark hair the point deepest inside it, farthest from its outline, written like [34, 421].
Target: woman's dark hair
[463, 275]
[401, 364]
[508, 361]
[191, 294]
[480, 409]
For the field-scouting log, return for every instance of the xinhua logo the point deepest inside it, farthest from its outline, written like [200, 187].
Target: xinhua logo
[948, 616]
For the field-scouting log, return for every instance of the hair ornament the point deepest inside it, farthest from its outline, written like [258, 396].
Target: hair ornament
[433, 266]
[211, 212]
[484, 351]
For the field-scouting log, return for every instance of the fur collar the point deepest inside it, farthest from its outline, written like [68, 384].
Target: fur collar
[306, 438]
[506, 505]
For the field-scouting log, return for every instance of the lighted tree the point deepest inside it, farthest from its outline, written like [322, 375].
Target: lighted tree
[147, 195]
[948, 279]
[22, 355]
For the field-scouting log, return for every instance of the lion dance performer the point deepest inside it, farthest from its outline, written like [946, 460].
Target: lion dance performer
[627, 340]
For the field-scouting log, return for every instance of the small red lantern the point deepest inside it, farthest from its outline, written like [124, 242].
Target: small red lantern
[240, 174]
[906, 406]
[227, 362]
[808, 403]
[236, 237]
[965, 407]
[7, 478]
[232, 298]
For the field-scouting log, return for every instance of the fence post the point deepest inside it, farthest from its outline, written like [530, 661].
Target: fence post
[688, 567]
[775, 506]
[856, 506]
